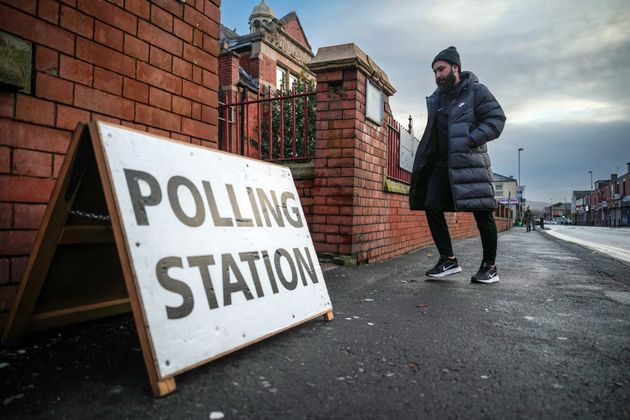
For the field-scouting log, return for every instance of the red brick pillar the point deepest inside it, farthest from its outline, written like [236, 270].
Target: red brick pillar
[350, 155]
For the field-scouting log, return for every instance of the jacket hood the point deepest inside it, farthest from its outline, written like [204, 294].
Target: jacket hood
[468, 77]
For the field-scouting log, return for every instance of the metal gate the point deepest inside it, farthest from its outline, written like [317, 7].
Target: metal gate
[272, 126]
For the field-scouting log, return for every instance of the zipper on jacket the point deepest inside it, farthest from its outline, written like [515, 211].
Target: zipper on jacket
[448, 133]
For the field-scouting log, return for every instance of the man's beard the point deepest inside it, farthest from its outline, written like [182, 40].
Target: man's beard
[448, 83]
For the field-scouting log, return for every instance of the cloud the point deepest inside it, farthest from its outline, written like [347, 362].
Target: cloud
[559, 68]
[475, 16]
[564, 108]
[573, 55]
[557, 156]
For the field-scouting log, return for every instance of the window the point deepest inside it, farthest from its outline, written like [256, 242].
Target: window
[281, 75]
[292, 82]
[498, 190]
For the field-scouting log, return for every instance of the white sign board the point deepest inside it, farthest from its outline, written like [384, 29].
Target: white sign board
[408, 147]
[374, 103]
[219, 247]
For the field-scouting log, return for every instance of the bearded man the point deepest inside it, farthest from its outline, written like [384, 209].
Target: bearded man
[452, 170]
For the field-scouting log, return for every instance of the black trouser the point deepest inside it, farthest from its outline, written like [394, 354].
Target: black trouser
[440, 199]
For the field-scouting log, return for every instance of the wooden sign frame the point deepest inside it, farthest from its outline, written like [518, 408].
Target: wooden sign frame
[81, 226]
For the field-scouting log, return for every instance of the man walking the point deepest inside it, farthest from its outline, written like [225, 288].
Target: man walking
[452, 171]
[528, 218]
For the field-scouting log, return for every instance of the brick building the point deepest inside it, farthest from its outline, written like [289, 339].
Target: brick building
[609, 203]
[273, 54]
[269, 60]
[578, 212]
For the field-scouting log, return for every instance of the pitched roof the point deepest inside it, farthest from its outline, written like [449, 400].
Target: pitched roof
[292, 16]
[228, 33]
[233, 41]
[501, 178]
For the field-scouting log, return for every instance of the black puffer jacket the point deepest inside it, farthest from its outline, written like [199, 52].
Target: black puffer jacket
[474, 118]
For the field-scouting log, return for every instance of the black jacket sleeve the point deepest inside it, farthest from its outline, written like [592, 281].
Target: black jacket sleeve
[489, 114]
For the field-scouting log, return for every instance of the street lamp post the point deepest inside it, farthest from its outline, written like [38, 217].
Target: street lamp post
[519, 197]
[590, 201]
[520, 149]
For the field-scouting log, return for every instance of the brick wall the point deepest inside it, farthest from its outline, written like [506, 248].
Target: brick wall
[292, 28]
[352, 214]
[228, 69]
[261, 67]
[249, 65]
[305, 191]
[150, 65]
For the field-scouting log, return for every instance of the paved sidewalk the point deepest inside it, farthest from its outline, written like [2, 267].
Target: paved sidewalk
[551, 340]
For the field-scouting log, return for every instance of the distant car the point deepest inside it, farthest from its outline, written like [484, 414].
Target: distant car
[551, 222]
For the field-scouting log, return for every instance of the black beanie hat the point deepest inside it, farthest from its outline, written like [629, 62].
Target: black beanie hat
[450, 55]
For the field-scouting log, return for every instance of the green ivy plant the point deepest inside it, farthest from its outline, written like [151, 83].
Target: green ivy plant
[303, 115]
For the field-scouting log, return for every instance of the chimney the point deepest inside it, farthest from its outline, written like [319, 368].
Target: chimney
[613, 177]
[628, 165]
[228, 73]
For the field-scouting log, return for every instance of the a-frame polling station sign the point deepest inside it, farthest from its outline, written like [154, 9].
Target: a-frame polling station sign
[214, 248]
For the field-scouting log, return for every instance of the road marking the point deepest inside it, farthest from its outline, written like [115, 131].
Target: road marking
[612, 251]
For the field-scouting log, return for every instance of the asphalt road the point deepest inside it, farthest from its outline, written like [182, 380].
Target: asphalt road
[614, 242]
[551, 340]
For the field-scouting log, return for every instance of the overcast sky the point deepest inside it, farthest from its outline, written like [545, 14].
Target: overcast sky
[559, 68]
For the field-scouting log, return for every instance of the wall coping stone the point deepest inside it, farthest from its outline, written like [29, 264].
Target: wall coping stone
[302, 170]
[344, 56]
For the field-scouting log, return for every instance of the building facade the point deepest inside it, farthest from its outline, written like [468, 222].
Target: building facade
[608, 204]
[578, 200]
[268, 61]
[274, 53]
[504, 189]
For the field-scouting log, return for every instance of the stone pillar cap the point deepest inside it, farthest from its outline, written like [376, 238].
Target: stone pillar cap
[344, 56]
